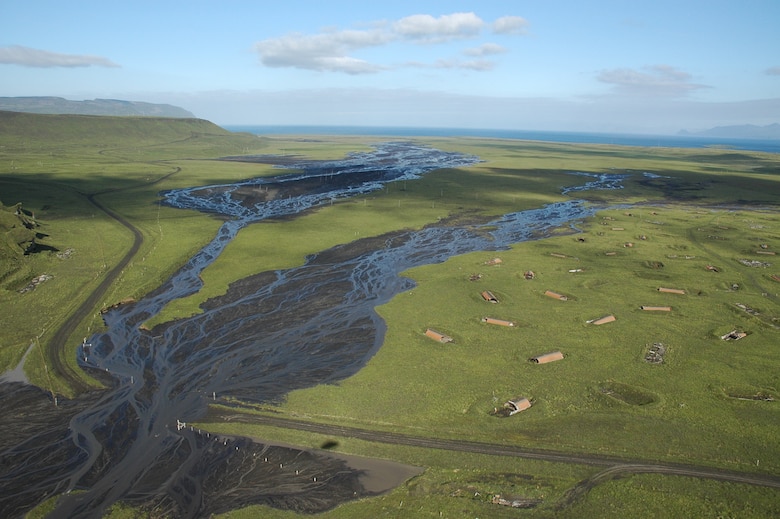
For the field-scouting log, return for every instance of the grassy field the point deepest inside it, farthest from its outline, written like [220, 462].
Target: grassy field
[711, 402]
[448, 390]
[707, 403]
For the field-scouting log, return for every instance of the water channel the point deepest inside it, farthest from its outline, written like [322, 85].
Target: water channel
[271, 333]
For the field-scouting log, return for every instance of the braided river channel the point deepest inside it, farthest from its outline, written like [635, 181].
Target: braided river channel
[271, 333]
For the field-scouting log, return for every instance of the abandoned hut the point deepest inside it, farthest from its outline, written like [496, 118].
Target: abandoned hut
[437, 336]
[733, 335]
[671, 290]
[517, 405]
[656, 308]
[555, 295]
[547, 357]
[500, 322]
[655, 354]
[602, 320]
[488, 296]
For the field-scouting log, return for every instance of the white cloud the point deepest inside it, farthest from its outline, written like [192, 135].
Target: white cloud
[333, 50]
[486, 49]
[510, 25]
[479, 65]
[426, 28]
[323, 52]
[27, 57]
[656, 80]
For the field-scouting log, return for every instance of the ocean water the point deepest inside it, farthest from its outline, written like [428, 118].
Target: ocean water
[663, 141]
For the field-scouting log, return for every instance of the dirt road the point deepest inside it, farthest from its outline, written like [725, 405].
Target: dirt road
[57, 350]
[615, 466]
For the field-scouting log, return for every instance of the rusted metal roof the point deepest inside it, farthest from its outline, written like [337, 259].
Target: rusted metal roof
[487, 295]
[433, 334]
[555, 295]
[547, 357]
[500, 322]
[602, 320]
[517, 405]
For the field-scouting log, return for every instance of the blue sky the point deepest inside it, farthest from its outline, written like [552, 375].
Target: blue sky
[633, 66]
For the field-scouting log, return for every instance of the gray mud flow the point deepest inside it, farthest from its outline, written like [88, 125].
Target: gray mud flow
[270, 334]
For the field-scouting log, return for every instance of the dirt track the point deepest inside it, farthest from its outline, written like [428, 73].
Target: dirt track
[615, 466]
[57, 344]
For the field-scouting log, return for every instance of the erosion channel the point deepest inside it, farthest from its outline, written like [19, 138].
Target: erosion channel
[271, 333]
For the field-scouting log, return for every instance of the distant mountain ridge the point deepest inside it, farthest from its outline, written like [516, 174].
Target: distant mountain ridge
[742, 131]
[116, 107]
[101, 131]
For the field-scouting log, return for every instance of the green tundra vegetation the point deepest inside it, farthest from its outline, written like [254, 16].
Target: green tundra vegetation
[651, 385]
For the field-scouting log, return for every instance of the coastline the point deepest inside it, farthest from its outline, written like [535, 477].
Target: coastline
[616, 139]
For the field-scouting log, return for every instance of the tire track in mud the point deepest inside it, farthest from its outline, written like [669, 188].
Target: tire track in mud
[616, 467]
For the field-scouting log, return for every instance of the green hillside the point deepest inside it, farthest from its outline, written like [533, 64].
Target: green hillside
[17, 237]
[59, 105]
[42, 130]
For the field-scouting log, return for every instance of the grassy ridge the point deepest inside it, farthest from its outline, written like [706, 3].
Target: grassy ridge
[50, 131]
